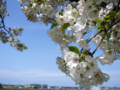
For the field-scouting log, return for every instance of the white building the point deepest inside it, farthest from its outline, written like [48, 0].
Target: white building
[96, 88]
[27, 85]
[36, 86]
[44, 86]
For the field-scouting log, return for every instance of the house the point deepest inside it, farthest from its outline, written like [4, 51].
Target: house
[36, 86]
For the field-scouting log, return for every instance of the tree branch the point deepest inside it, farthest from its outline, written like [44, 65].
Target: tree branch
[3, 23]
[117, 6]
[113, 25]
[97, 46]
[102, 38]
[93, 37]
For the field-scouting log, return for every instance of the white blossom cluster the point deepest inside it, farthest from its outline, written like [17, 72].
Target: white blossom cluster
[40, 10]
[70, 23]
[58, 36]
[84, 71]
[14, 42]
[6, 33]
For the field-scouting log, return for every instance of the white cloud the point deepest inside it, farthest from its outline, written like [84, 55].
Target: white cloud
[45, 76]
[35, 76]
[31, 73]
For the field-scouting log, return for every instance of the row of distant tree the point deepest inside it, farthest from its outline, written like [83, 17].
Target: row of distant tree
[0, 85]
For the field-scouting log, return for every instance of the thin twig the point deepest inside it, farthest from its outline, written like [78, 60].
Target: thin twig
[113, 25]
[110, 26]
[88, 40]
[97, 46]
[102, 38]
[72, 5]
[93, 37]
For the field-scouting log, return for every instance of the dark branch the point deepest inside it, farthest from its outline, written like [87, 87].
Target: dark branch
[118, 6]
[3, 23]
[97, 46]
[102, 38]
[74, 0]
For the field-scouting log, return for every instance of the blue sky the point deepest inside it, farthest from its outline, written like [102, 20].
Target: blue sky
[38, 63]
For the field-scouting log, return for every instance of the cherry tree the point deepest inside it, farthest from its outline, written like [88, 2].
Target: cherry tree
[71, 21]
[8, 34]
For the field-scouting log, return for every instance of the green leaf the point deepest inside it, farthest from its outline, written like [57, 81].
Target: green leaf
[60, 13]
[110, 16]
[21, 29]
[93, 3]
[53, 25]
[103, 36]
[74, 49]
[20, 45]
[25, 47]
[101, 27]
[108, 36]
[65, 26]
[30, 4]
[97, 20]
